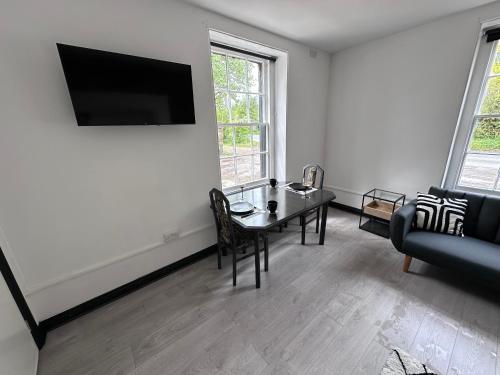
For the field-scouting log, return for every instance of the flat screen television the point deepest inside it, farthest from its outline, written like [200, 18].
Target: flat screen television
[108, 88]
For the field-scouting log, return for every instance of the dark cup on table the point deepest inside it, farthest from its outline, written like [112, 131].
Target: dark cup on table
[273, 182]
[272, 206]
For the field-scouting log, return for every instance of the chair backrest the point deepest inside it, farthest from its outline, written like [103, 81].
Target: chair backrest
[482, 218]
[313, 175]
[222, 213]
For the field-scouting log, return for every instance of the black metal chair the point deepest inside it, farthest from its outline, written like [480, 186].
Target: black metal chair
[312, 175]
[231, 237]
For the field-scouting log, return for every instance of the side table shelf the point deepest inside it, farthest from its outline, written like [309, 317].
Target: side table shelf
[378, 210]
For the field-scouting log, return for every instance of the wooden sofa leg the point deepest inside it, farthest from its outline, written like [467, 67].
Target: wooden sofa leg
[406, 264]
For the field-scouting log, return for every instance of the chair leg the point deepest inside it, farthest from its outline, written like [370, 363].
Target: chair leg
[219, 256]
[281, 228]
[317, 219]
[266, 253]
[406, 263]
[234, 266]
[303, 225]
[286, 224]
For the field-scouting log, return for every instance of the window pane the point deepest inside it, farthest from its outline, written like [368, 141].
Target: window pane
[238, 108]
[491, 101]
[244, 166]
[219, 70]
[221, 108]
[495, 69]
[259, 138]
[227, 172]
[255, 139]
[237, 74]
[259, 166]
[254, 77]
[254, 102]
[240, 99]
[226, 141]
[481, 171]
[243, 140]
[486, 136]
[481, 168]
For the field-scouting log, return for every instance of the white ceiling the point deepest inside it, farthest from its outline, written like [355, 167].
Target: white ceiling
[331, 25]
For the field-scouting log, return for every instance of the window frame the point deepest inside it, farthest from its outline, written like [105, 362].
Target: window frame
[479, 76]
[267, 95]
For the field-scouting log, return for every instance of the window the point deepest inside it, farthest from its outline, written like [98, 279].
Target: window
[474, 159]
[242, 104]
[481, 161]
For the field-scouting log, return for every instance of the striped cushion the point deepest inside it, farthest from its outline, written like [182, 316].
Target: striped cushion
[442, 215]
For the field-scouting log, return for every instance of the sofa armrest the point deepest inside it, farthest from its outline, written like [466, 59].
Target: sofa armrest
[401, 223]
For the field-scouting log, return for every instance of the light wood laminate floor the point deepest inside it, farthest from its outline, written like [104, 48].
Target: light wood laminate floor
[333, 309]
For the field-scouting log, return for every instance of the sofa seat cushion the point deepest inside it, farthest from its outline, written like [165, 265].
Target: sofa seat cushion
[467, 254]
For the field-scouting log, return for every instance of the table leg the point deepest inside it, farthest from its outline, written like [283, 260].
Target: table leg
[266, 252]
[257, 259]
[324, 212]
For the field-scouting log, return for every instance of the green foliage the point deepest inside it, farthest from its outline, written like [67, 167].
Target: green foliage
[254, 110]
[254, 72]
[496, 64]
[486, 136]
[219, 70]
[238, 104]
[491, 102]
[243, 135]
[487, 128]
[228, 136]
[237, 75]
[238, 107]
[221, 108]
[486, 145]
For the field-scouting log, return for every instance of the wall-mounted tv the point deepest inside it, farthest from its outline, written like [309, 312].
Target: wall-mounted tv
[108, 88]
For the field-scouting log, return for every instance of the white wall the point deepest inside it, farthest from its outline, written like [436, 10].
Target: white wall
[84, 209]
[394, 104]
[18, 352]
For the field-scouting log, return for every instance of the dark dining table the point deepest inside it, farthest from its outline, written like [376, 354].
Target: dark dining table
[291, 204]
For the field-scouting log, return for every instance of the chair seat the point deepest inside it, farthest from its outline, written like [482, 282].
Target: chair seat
[242, 236]
[465, 254]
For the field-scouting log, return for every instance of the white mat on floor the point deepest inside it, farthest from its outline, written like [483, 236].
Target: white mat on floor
[401, 363]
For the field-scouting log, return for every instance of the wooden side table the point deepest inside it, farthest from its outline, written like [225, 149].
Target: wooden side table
[377, 206]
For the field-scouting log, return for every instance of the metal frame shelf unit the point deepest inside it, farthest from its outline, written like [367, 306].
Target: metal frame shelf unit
[379, 210]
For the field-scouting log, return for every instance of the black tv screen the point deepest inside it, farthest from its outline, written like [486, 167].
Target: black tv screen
[109, 88]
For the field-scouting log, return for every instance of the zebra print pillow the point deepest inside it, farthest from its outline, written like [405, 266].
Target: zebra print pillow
[443, 215]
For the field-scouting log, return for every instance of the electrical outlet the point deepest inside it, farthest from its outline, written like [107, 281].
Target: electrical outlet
[170, 236]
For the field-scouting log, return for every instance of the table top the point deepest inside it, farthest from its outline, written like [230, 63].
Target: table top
[290, 205]
[384, 195]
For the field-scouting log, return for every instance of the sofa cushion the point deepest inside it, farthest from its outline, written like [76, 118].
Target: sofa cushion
[474, 206]
[466, 254]
[443, 215]
[488, 223]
